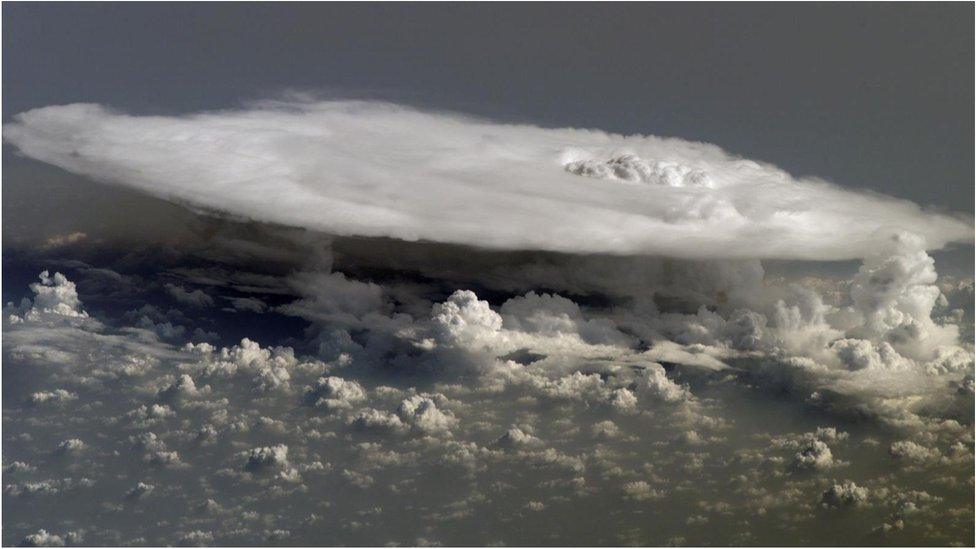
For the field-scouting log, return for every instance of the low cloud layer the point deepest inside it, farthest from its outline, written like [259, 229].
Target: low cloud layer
[794, 421]
[371, 169]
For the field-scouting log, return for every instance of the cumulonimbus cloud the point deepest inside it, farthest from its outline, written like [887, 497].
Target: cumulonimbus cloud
[377, 169]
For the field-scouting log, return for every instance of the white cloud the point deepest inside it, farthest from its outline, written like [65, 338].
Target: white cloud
[816, 455]
[846, 494]
[54, 297]
[182, 387]
[56, 397]
[43, 538]
[70, 446]
[640, 490]
[422, 413]
[653, 381]
[371, 419]
[197, 538]
[516, 438]
[582, 409]
[466, 321]
[334, 393]
[551, 314]
[266, 457]
[140, 490]
[267, 369]
[912, 451]
[332, 297]
[446, 178]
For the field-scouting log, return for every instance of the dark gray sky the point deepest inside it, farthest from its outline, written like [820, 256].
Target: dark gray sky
[869, 95]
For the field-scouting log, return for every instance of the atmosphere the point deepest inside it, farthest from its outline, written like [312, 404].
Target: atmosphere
[470, 274]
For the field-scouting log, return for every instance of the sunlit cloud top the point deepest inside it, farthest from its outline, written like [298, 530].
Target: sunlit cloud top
[377, 169]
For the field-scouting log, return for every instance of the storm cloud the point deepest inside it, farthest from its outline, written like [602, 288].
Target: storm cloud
[379, 169]
[307, 320]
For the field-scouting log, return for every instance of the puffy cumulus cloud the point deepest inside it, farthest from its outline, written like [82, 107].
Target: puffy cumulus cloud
[55, 397]
[334, 393]
[164, 459]
[465, 337]
[654, 381]
[266, 369]
[606, 430]
[576, 386]
[197, 538]
[70, 446]
[421, 412]
[811, 451]
[877, 350]
[147, 416]
[30, 489]
[182, 387]
[266, 457]
[371, 419]
[54, 297]
[641, 490]
[912, 451]
[19, 467]
[860, 354]
[640, 405]
[552, 314]
[516, 438]
[466, 321]
[140, 490]
[895, 290]
[447, 178]
[46, 487]
[843, 495]
[815, 455]
[826, 354]
[42, 538]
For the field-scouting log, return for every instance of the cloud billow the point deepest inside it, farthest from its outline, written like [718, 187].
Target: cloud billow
[377, 169]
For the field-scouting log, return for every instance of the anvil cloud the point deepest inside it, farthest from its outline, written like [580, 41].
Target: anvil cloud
[378, 169]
